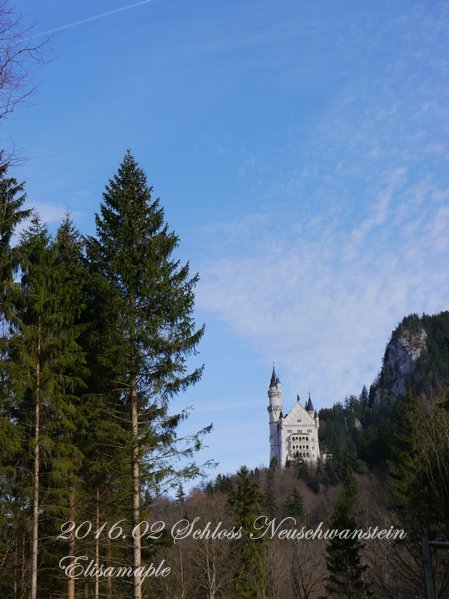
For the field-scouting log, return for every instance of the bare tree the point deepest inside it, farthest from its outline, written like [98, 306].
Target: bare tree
[307, 569]
[19, 50]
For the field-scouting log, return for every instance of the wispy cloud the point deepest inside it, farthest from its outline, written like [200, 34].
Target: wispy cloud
[323, 307]
[350, 233]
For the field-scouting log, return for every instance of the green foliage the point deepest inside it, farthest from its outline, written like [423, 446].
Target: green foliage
[43, 366]
[343, 555]
[418, 480]
[294, 504]
[83, 332]
[180, 495]
[246, 503]
[147, 300]
[222, 484]
[270, 497]
[12, 198]
[418, 468]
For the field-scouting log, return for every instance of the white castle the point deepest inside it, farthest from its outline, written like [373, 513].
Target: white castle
[294, 436]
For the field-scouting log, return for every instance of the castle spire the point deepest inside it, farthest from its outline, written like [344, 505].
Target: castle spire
[309, 405]
[274, 379]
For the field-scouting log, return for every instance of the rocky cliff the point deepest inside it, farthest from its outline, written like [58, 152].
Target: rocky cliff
[416, 357]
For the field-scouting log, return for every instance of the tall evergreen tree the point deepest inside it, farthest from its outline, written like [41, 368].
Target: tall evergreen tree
[418, 486]
[408, 487]
[67, 417]
[294, 504]
[246, 503]
[343, 555]
[12, 198]
[42, 366]
[12, 521]
[152, 332]
[270, 496]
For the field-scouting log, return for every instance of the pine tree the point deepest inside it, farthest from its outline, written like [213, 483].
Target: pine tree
[67, 417]
[180, 495]
[152, 331]
[12, 503]
[407, 481]
[364, 396]
[270, 496]
[294, 504]
[12, 198]
[343, 555]
[246, 503]
[43, 366]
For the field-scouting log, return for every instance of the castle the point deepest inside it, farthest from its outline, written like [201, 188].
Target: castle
[295, 435]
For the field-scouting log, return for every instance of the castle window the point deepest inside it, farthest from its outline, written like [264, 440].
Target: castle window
[298, 420]
[289, 430]
[310, 430]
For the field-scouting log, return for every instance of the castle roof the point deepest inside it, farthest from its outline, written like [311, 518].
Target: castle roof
[309, 405]
[274, 378]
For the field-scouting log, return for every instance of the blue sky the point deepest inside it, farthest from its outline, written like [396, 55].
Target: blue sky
[300, 149]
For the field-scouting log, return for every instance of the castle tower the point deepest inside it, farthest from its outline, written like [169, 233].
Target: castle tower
[293, 436]
[275, 416]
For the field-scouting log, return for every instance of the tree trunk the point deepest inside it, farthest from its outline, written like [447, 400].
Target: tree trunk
[35, 541]
[97, 544]
[109, 562]
[72, 542]
[23, 573]
[136, 491]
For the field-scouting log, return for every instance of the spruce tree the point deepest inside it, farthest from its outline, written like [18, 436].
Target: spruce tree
[12, 198]
[152, 331]
[409, 488]
[66, 422]
[251, 554]
[12, 500]
[43, 365]
[294, 504]
[270, 496]
[343, 555]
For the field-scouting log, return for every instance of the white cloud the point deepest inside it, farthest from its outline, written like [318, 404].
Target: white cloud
[323, 307]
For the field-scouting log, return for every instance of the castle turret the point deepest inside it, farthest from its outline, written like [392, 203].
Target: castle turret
[275, 414]
[309, 407]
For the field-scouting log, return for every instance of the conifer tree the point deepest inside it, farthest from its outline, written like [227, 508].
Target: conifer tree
[180, 495]
[246, 503]
[43, 367]
[151, 332]
[343, 555]
[67, 417]
[270, 496]
[294, 504]
[12, 198]
[407, 481]
[12, 522]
